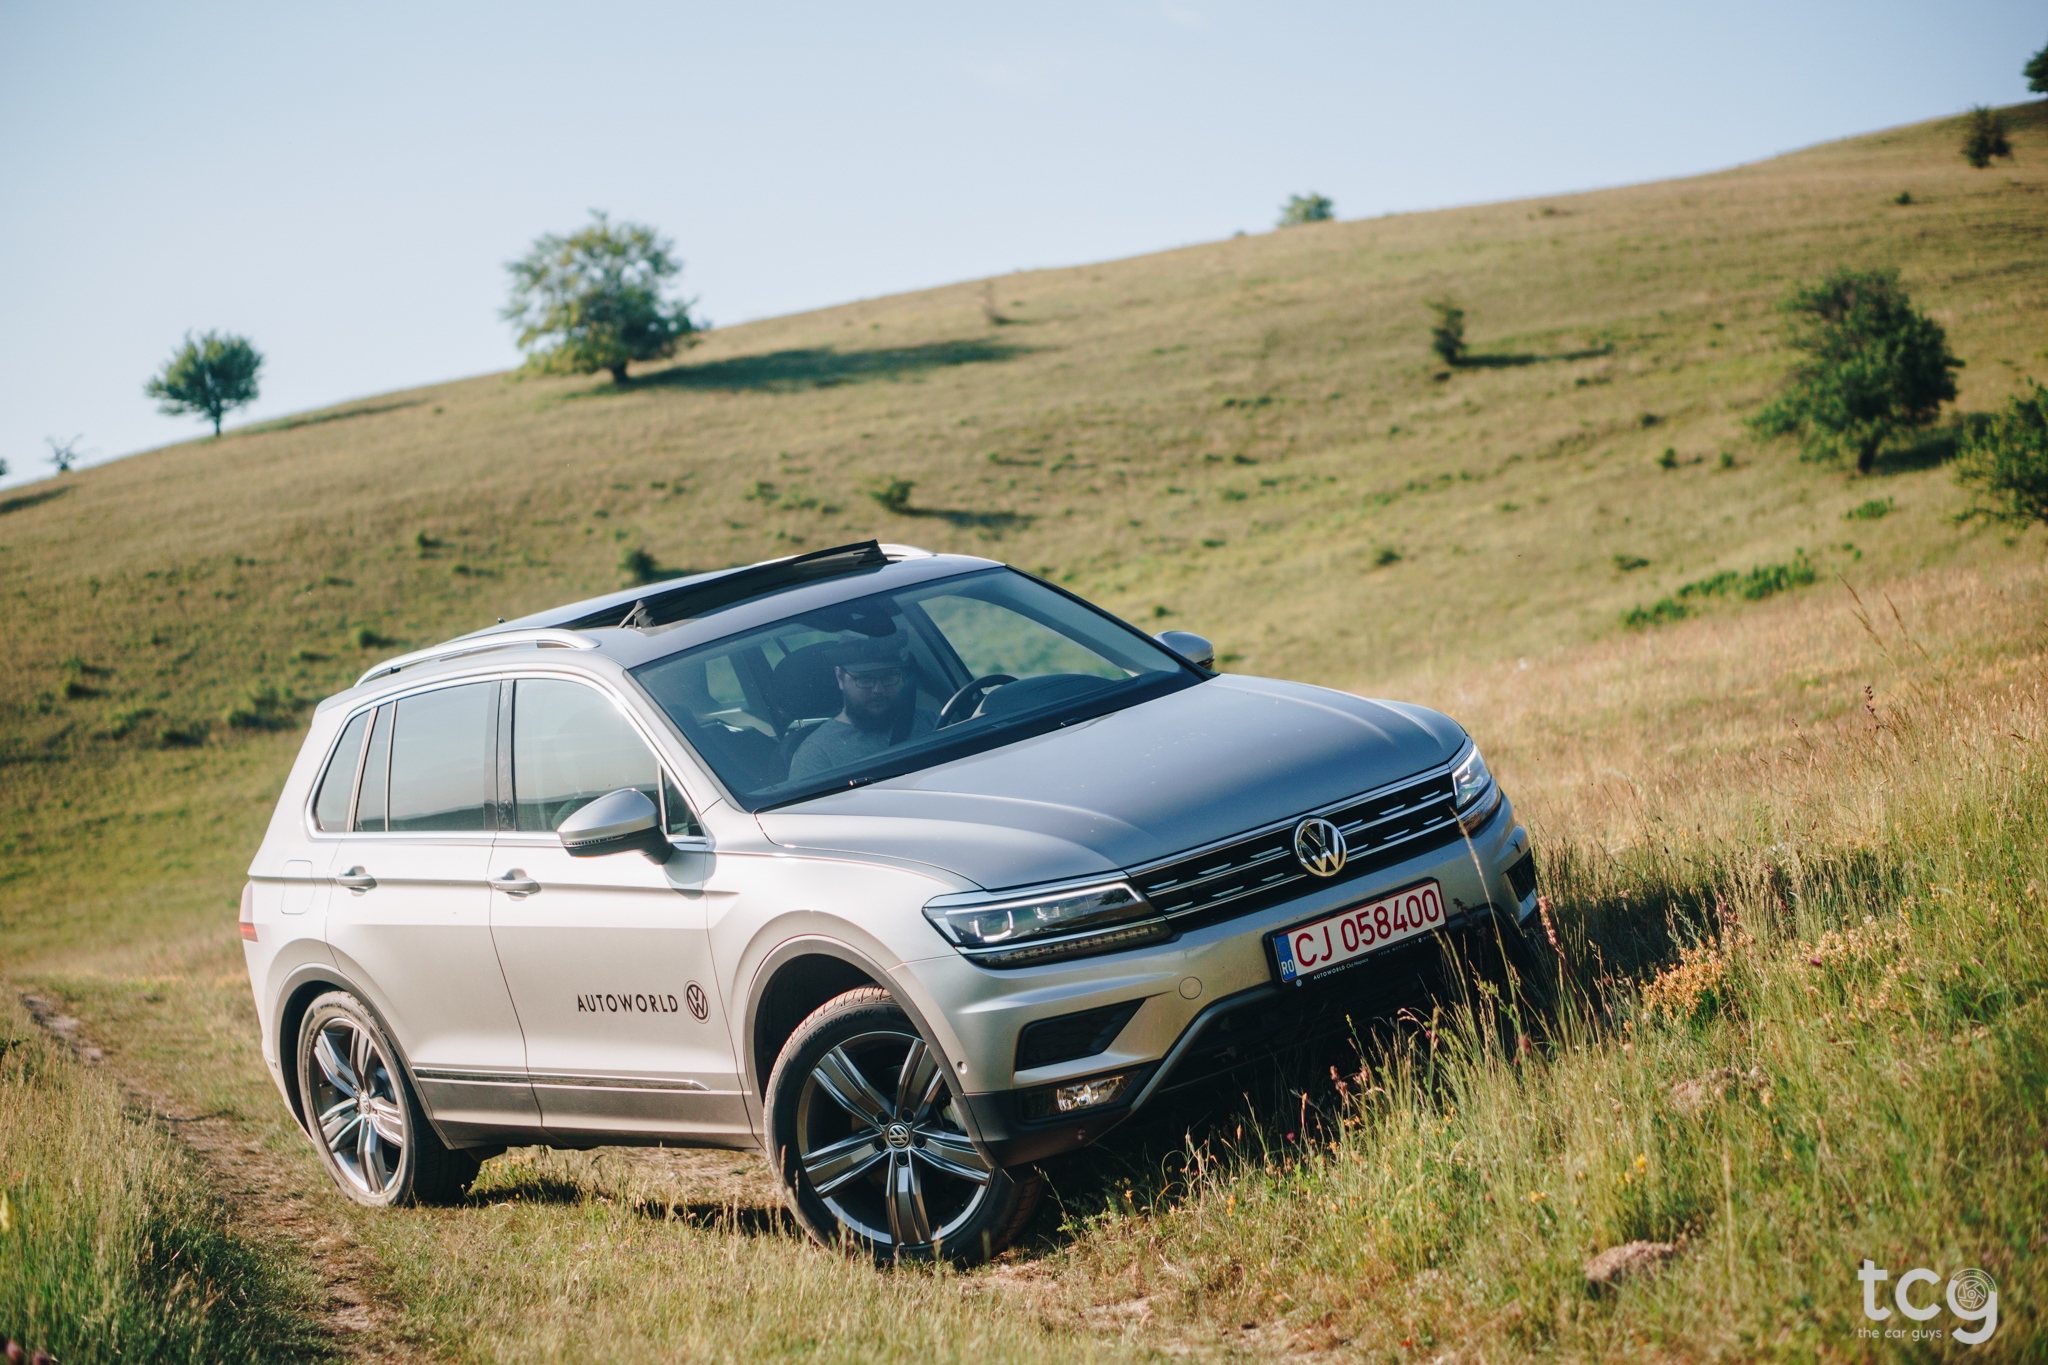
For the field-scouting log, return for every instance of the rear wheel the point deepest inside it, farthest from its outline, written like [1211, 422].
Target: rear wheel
[362, 1115]
[867, 1138]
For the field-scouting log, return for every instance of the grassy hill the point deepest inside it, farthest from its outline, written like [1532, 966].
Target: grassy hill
[1247, 439]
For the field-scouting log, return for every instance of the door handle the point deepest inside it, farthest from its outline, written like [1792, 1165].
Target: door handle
[516, 884]
[356, 880]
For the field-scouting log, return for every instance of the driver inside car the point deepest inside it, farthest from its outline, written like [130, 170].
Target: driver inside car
[879, 710]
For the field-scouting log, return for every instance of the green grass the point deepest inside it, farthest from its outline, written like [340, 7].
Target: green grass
[1248, 439]
[111, 1248]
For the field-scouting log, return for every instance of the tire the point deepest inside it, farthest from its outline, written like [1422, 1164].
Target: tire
[362, 1114]
[865, 1134]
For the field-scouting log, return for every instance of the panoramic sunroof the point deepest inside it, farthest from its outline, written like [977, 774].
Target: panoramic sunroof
[663, 607]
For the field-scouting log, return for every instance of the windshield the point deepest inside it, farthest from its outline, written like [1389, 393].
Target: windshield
[896, 681]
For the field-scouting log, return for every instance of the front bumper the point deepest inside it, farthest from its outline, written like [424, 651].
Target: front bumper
[1209, 1000]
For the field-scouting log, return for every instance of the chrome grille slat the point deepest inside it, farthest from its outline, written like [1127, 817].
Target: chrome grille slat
[1238, 875]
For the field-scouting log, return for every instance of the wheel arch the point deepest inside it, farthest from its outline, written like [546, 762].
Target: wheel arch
[300, 990]
[798, 976]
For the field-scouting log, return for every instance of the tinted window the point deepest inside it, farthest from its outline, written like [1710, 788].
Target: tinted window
[330, 807]
[441, 759]
[877, 685]
[376, 775]
[570, 746]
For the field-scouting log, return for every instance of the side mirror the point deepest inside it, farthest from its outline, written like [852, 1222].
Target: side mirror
[617, 822]
[1189, 646]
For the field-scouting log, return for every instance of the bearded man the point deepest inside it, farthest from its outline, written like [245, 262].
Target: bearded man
[878, 710]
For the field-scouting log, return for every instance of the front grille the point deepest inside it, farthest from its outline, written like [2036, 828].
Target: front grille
[1258, 870]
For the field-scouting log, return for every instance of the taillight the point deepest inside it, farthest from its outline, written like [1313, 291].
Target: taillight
[249, 911]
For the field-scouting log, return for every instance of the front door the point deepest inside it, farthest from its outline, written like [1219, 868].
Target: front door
[410, 912]
[607, 958]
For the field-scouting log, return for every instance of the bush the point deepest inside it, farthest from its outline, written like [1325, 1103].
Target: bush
[1447, 338]
[1659, 613]
[263, 708]
[1874, 367]
[2036, 71]
[2006, 460]
[1306, 208]
[894, 495]
[1986, 134]
[1874, 510]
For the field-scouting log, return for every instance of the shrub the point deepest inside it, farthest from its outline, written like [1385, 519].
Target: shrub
[1661, 612]
[638, 567]
[2005, 460]
[263, 708]
[367, 638]
[1629, 563]
[894, 495]
[1306, 208]
[1447, 338]
[1874, 510]
[2036, 71]
[1387, 555]
[1903, 197]
[1986, 134]
[1874, 367]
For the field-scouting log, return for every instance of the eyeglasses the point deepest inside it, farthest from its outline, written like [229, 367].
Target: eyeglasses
[877, 680]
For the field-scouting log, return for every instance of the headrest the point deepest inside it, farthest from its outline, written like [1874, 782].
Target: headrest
[802, 686]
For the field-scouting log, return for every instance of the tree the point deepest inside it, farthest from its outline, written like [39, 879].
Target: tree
[1447, 338]
[1874, 367]
[2006, 460]
[207, 375]
[593, 301]
[63, 454]
[1985, 135]
[1306, 208]
[2036, 71]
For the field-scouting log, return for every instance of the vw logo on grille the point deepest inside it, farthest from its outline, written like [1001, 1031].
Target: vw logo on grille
[1320, 846]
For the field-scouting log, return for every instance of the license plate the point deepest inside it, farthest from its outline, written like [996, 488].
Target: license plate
[1350, 934]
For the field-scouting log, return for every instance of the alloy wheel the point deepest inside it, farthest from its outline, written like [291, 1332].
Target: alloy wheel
[880, 1141]
[358, 1109]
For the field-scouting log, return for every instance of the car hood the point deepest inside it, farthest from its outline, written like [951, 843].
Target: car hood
[1130, 787]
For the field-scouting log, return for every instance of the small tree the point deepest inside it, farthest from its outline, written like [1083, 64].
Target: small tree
[1874, 367]
[1447, 338]
[593, 301]
[1306, 208]
[1985, 135]
[2036, 71]
[208, 375]
[2006, 460]
[63, 454]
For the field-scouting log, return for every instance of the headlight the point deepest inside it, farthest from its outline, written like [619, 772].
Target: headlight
[1474, 791]
[1017, 931]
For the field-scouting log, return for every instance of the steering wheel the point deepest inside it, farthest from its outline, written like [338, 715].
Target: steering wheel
[962, 704]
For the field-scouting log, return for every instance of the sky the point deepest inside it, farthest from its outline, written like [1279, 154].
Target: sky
[344, 184]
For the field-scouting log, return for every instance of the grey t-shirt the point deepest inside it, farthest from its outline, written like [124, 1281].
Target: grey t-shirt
[841, 744]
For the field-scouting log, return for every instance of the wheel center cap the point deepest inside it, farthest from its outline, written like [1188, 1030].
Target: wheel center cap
[897, 1135]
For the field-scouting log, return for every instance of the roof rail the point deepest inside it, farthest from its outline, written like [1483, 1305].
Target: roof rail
[477, 644]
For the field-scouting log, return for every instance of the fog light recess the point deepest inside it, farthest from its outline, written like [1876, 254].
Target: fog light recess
[1058, 1101]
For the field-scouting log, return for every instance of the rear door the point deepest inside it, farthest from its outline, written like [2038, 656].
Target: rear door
[410, 915]
[608, 958]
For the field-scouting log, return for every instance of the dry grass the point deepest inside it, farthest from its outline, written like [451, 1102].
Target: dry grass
[1213, 433]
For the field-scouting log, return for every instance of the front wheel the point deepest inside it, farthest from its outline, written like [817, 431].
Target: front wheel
[362, 1115]
[866, 1137]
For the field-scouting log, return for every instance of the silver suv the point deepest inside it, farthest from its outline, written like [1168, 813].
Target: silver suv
[906, 870]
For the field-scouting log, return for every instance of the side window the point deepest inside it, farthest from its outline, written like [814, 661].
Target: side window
[441, 759]
[570, 746]
[675, 811]
[337, 784]
[376, 776]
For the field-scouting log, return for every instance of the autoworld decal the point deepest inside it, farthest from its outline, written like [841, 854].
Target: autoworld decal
[636, 1003]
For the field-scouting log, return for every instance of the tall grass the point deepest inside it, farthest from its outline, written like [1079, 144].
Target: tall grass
[110, 1247]
[1781, 1052]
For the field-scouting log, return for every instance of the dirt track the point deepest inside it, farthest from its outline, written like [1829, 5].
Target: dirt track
[266, 1198]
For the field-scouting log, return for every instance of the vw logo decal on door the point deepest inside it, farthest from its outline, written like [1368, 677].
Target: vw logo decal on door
[1320, 846]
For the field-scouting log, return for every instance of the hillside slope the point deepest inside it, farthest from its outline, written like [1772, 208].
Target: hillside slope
[1230, 432]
